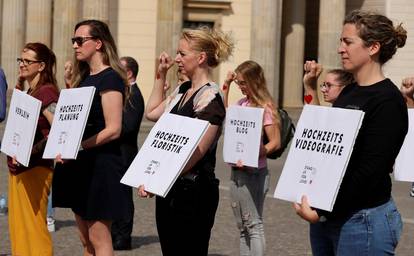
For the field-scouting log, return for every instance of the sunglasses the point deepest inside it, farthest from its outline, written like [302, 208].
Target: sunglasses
[79, 40]
[27, 62]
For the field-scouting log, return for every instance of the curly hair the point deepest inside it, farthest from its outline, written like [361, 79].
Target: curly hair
[373, 27]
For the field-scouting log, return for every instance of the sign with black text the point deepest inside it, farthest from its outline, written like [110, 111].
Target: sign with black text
[318, 155]
[71, 114]
[21, 126]
[242, 135]
[165, 152]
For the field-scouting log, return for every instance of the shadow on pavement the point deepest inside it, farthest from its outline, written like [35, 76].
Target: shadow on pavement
[138, 241]
[64, 223]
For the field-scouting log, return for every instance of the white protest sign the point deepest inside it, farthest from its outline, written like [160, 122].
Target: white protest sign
[403, 167]
[319, 155]
[71, 114]
[242, 135]
[165, 152]
[21, 126]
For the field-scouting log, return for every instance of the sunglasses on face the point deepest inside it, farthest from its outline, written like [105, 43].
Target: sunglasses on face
[27, 62]
[79, 40]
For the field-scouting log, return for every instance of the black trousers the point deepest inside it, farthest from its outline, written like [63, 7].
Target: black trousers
[122, 229]
[186, 216]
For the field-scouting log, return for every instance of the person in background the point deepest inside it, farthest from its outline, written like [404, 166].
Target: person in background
[131, 121]
[50, 215]
[3, 107]
[364, 219]
[335, 80]
[68, 74]
[29, 187]
[3, 95]
[98, 197]
[186, 215]
[248, 186]
[407, 90]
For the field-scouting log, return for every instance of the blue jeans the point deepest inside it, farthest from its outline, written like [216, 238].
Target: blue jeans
[248, 188]
[50, 210]
[373, 231]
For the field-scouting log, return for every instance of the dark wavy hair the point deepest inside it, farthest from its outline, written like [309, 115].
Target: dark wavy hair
[47, 56]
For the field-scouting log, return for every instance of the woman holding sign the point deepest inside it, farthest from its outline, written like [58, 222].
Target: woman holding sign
[248, 186]
[90, 184]
[186, 215]
[365, 220]
[29, 187]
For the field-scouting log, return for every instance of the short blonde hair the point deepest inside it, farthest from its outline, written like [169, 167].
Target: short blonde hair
[217, 45]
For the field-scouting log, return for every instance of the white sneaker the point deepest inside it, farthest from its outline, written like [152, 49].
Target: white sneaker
[50, 224]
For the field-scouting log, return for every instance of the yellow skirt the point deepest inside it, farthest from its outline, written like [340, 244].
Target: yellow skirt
[28, 195]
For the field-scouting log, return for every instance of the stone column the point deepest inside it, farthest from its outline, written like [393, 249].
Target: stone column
[169, 25]
[96, 9]
[1, 23]
[12, 37]
[294, 27]
[331, 15]
[265, 40]
[63, 27]
[39, 21]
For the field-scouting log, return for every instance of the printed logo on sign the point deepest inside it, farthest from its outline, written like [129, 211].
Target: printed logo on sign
[307, 175]
[152, 167]
[239, 147]
[62, 137]
[16, 139]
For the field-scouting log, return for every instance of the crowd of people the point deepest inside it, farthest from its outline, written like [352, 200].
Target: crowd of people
[364, 220]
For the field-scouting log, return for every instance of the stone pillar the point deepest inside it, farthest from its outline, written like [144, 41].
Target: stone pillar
[169, 25]
[331, 15]
[39, 21]
[265, 40]
[96, 9]
[63, 30]
[1, 23]
[294, 41]
[12, 37]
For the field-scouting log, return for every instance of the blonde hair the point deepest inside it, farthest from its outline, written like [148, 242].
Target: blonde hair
[260, 96]
[217, 45]
[99, 30]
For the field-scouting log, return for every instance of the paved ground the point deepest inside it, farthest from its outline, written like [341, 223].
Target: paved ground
[286, 234]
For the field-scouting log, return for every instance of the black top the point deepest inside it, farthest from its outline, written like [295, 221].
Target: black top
[131, 121]
[105, 80]
[367, 181]
[209, 107]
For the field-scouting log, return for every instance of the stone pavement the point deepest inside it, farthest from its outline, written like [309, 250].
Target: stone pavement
[286, 233]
